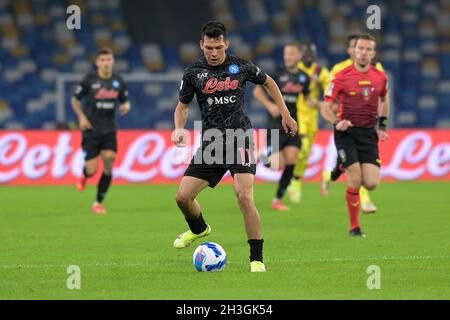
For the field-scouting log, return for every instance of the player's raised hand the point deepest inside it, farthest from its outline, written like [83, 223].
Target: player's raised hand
[84, 124]
[343, 125]
[289, 125]
[180, 137]
[382, 135]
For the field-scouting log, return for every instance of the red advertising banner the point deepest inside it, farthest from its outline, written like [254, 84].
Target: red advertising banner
[55, 157]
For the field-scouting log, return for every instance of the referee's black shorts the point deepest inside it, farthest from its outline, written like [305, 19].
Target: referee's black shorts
[357, 145]
[94, 142]
[235, 158]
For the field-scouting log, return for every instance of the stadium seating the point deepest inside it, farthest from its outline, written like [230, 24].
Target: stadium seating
[36, 46]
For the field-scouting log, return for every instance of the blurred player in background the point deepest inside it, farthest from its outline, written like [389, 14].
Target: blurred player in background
[359, 88]
[367, 205]
[218, 80]
[292, 83]
[308, 114]
[101, 89]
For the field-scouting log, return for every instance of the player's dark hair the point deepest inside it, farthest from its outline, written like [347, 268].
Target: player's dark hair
[308, 46]
[294, 44]
[214, 30]
[103, 51]
[351, 37]
[367, 36]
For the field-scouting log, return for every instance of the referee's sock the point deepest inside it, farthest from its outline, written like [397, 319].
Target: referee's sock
[285, 180]
[353, 204]
[102, 188]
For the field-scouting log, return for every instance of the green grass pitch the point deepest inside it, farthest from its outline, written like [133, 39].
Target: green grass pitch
[128, 253]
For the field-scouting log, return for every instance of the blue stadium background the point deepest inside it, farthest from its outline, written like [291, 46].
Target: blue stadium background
[153, 37]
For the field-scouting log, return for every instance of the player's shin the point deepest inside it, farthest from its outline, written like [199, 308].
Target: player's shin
[285, 180]
[353, 204]
[103, 186]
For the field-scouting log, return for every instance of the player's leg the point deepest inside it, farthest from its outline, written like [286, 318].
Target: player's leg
[370, 180]
[371, 169]
[91, 151]
[295, 187]
[243, 188]
[108, 158]
[290, 154]
[329, 176]
[354, 180]
[276, 161]
[189, 188]
[186, 196]
[89, 169]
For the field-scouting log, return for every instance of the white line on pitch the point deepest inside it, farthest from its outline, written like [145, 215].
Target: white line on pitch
[149, 262]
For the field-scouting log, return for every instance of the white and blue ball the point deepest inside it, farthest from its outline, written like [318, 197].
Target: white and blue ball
[209, 257]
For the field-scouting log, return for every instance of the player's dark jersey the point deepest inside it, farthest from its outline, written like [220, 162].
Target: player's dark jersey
[101, 100]
[291, 85]
[220, 91]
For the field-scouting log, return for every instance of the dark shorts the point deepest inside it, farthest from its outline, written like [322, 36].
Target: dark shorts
[235, 159]
[357, 145]
[286, 140]
[93, 142]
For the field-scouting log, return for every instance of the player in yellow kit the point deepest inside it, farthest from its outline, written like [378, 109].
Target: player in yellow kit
[367, 205]
[308, 114]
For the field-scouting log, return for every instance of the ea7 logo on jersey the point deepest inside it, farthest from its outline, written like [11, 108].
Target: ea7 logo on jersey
[202, 75]
[221, 100]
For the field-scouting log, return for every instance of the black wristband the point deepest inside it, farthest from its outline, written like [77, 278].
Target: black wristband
[382, 123]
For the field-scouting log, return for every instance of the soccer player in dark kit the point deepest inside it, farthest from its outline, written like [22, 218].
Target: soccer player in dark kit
[101, 89]
[292, 82]
[359, 89]
[219, 80]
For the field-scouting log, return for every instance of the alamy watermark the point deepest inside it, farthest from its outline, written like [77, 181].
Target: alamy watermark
[374, 280]
[73, 282]
[229, 146]
[74, 20]
[373, 21]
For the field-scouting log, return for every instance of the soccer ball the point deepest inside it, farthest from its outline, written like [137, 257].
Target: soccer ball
[209, 256]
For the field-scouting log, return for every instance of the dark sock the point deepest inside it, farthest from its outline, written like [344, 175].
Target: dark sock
[256, 249]
[102, 187]
[337, 171]
[285, 180]
[197, 225]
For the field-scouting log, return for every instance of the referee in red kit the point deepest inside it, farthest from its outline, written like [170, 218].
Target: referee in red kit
[359, 89]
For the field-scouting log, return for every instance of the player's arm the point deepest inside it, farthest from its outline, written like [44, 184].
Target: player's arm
[384, 114]
[124, 106]
[261, 96]
[179, 135]
[82, 119]
[289, 124]
[81, 91]
[327, 111]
